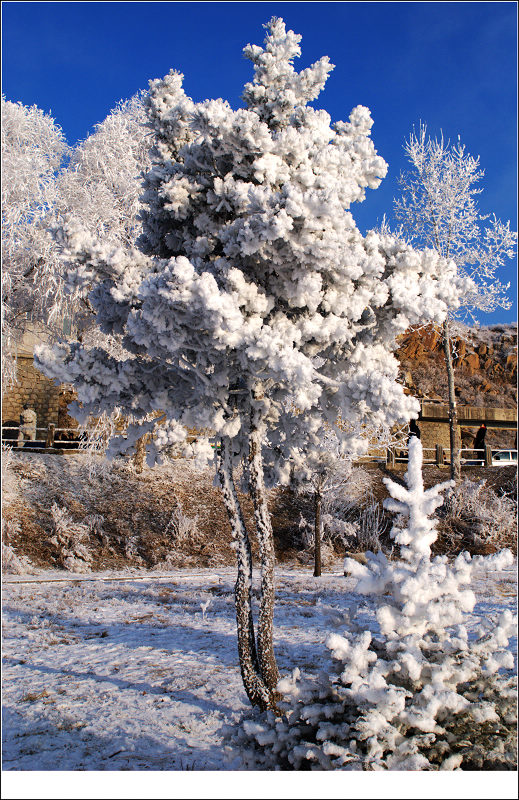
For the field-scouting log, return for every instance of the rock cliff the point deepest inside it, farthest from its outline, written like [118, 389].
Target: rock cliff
[485, 364]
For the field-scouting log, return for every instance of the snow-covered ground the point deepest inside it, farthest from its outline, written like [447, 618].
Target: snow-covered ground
[140, 672]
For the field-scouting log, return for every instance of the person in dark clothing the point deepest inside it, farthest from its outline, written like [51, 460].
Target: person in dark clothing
[479, 441]
[414, 430]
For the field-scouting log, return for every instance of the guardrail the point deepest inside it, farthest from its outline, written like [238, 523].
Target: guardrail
[469, 456]
[53, 441]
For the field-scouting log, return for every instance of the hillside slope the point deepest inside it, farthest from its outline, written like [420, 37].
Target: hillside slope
[83, 514]
[485, 364]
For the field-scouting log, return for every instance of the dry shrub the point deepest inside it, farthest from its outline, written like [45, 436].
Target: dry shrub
[180, 532]
[352, 516]
[478, 519]
[72, 539]
[180, 526]
[12, 563]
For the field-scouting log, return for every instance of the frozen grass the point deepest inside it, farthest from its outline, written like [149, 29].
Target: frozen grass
[143, 674]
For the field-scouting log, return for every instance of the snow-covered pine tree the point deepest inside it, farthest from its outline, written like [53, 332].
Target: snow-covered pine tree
[419, 691]
[252, 305]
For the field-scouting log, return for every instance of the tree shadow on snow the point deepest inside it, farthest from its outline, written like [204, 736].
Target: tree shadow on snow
[42, 744]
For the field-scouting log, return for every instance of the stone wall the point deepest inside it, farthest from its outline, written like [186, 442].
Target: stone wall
[433, 433]
[33, 388]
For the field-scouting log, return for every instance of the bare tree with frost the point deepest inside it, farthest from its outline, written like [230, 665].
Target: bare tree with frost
[322, 466]
[321, 471]
[437, 208]
[100, 189]
[103, 180]
[33, 150]
[99, 185]
[251, 304]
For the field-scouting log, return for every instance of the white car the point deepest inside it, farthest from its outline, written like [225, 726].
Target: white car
[500, 458]
[504, 458]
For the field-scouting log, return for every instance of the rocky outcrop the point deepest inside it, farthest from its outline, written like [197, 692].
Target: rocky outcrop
[485, 363]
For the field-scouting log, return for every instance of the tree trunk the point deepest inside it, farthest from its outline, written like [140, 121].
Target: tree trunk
[140, 452]
[453, 413]
[255, 687]
[318, 498]
[267, 659]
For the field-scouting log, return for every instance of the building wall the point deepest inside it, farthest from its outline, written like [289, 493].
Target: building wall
[33, 388]
[433, 433]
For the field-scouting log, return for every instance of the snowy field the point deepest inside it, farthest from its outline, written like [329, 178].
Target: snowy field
[119, 672]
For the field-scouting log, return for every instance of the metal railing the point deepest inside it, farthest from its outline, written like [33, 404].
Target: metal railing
[401, 455]
[81, 437]
[469, 456]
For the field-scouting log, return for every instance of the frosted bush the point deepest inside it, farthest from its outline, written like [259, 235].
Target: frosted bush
[72, 539]
[339, 531]
[352, 517]
[306, 533]
[9, 478]
[10, 528]
[331, 534]
[6, 461]
[180, 527]
[131, 548]
[93, 446]
[371, 527]
[12, 562]
[490, 518]
[416, 693]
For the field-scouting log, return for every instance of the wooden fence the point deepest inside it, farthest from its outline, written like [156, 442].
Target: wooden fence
[49, 439]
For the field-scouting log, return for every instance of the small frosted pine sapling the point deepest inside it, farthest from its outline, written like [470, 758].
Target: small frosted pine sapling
[414, 693]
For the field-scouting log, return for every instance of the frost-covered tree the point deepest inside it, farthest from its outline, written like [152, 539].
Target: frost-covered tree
[100, 189]
[320, 471]
[419, 691]
[99, 186]
[438, 209]
[103, 180]
[320, 466]
[252, 306]
[33, 150]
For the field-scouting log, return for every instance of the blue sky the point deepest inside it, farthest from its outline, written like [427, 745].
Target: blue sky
[451, 65]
